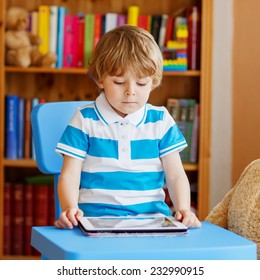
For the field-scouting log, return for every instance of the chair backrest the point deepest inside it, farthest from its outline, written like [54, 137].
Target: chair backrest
[48, 121]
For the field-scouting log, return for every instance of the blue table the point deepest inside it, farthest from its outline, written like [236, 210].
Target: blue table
[209, 242]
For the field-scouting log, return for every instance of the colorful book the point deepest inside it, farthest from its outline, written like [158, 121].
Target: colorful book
[60, 34]
[41, 198]
[173, 108]
[195, 136]
[12, 123]
[121, 20]
[111, 21]
[143, 22]
[68, 41]
[132, 15]
[88, 37]
[162, 31]
[155, 27]
[53, 30]
[44, 27]
[80, 41]
[97, 29]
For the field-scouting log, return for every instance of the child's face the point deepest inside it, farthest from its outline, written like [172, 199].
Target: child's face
[127, 93]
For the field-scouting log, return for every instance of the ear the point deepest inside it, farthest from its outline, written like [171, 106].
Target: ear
[100, 84]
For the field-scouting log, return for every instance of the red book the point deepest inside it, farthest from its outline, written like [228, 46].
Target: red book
[27, 128]
[97, 28]
[143, 22]
[41, 198]
[28, 218]
[68, 46]
[7, 218]
[51, 206]
[80, 41]
[169, 30]
[17, 218]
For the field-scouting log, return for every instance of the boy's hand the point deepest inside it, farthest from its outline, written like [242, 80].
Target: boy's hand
[69, 218]
[188, 218]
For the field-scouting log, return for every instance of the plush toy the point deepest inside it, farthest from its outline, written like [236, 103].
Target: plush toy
[21, 45]
[239, 211]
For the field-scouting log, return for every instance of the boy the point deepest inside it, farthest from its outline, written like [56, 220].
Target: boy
[119, 151]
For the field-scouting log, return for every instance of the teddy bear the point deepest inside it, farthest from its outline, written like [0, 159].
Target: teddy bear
[239, 211]
[21, 45]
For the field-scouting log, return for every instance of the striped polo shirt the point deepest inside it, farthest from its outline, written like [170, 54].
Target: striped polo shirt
[122, 172]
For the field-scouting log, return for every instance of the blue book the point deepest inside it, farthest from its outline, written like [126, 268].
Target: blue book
[12, 123]
[35, 101]
[60, 36]
[21, 128]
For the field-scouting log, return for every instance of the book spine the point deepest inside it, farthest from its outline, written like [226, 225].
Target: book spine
[12, 122]
[143, 22]
[28, 218]
[111, 21]
[7, 218]
[34, 101]
[68, 39]
[40, 193]
[53, 30]
[162, 31]
[88, 37]
[155, 27]
[97, 29]
[60, 34]
[80, 43]
[34, 23]
[195, 136]
[21, 128]
[121, 20]
[27, 129]
[43, 28]
[17, 219]
[132, 15]
[75, 40]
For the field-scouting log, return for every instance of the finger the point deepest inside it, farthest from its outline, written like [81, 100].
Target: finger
[60, 224]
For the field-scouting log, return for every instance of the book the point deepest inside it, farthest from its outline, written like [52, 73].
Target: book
[12, 122]
[155, 27]
[27, 128]
[28, 218]
[44, 27]
[162, 31]
[60, 34]
[17, 237]
[111, 21]
[195, 136]
[143, 22]
[88, 37]
[80, 41]
[21, 128]
[53, 30]
[68, 41]
[173, 108]
[132, 15]
[7, 218]
[121, 19]
[34, 101]
[97, 29]
[40, 204]
[169, 30]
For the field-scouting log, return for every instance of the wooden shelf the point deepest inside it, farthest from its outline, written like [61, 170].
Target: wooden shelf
[25, 163]
[81, 71]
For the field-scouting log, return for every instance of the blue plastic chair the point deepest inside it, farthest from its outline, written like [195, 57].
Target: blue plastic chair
[48, 121]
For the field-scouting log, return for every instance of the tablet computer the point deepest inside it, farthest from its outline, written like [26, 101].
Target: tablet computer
[131, 224]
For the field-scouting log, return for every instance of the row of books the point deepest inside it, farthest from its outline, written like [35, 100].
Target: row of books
[185, 112]
[18, 135]
[73, 37]
[25, 205]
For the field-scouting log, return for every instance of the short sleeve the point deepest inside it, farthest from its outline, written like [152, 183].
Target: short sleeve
[172, 139]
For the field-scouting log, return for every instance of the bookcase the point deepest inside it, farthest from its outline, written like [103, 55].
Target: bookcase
[55, 84]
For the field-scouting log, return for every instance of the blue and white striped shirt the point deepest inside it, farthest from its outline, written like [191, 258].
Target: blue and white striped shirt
[122, 172]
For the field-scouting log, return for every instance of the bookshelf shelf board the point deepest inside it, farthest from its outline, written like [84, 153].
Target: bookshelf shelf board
[191, 167]
[81, 71]
[21, 257]
[19, 163]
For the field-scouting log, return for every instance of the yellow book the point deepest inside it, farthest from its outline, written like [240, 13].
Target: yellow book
[132, 15]
[43, 28]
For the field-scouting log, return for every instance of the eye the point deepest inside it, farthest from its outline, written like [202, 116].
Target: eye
[142, 84]
[118, 83]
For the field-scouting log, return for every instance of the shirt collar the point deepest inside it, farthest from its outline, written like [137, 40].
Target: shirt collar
[107, 114]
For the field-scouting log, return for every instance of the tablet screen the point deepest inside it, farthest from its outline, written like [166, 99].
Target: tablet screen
[131, 224]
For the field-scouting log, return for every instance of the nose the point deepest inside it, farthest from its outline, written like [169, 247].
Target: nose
[129, 90]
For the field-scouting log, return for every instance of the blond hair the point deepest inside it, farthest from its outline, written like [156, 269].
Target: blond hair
[127, 48]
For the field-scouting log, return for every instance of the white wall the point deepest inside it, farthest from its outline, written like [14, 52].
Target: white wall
[221, 133]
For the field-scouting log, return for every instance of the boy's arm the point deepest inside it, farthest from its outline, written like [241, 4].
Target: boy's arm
[179, 189]
[68, 192]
